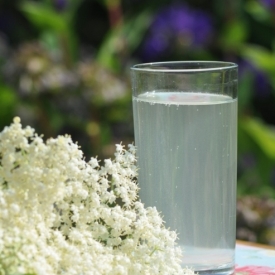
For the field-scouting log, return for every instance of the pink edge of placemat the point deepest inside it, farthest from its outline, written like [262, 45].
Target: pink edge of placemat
[254, 270]
[254, 259]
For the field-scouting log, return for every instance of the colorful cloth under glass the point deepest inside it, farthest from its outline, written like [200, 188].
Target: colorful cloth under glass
[254, 260]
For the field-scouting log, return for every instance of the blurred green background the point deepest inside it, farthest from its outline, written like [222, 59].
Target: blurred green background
[65, 69]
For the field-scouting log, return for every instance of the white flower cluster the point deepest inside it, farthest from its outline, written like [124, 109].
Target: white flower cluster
[62, 215]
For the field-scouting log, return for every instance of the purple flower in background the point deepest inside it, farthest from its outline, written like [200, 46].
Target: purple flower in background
[177, 26]
[60, 5]
[261, 83]
[268, 3]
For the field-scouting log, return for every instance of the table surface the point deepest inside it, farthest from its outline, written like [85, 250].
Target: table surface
[254, 259]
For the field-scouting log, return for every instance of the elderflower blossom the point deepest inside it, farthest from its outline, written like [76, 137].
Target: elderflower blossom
[62, 215]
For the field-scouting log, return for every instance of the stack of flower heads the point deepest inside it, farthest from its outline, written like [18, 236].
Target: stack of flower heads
[62, 215]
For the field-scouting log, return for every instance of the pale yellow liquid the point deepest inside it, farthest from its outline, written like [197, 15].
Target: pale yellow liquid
[187, 160]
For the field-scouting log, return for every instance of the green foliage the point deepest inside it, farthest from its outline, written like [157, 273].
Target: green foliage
[234, 34]
[54, 27]
[244, 94]
[128, 35]
[8, 102]
[262, 58]
[263, 135]
[256, 142]
[258, 11]
[44, 17]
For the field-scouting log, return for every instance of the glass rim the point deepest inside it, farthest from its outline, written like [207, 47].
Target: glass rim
[173, 66]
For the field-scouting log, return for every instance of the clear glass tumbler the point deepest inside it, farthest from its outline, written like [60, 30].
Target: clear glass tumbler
[185, 123]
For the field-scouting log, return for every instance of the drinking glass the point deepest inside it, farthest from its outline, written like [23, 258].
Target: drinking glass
[185, 123]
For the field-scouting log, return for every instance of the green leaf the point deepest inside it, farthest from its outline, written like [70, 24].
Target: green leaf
[136, 28]
[261, 58]
[258, 11]
[50, 40]
[44, 17]
[8, 101]
[234, 34]
[263, 135]
[245, 91]
[130, 33]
